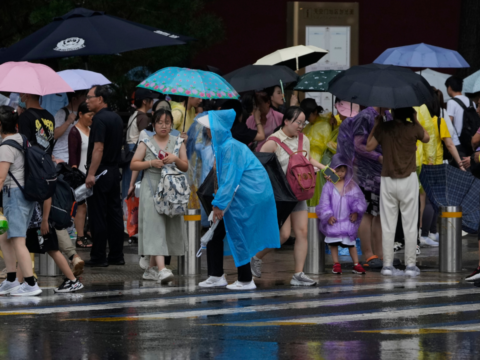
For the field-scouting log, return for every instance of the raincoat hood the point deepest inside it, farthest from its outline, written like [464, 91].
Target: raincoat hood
[221, 122]
[340, 160]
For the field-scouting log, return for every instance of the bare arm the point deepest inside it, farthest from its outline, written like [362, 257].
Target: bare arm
[97, 155]
[476, 140]
[260, 130]
[4, 167]
[59, 131]
[317, 164]
[269, 147]
[453, 150]
[44, 227]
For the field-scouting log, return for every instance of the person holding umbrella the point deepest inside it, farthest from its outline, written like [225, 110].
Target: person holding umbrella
[182, 105]
[399, 183]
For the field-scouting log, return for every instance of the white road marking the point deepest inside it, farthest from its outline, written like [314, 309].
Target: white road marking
[412, 296]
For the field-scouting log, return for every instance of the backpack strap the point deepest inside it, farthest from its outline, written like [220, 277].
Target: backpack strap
[178, 144]
[285, 147]
[150, 146]
[300, 141]
[67, 112]
[460, 102]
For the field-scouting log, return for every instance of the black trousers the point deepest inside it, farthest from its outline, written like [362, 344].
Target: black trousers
[429, 220]
[215, 256]
[106, 217]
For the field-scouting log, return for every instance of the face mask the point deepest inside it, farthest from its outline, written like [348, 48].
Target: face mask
[22, 104]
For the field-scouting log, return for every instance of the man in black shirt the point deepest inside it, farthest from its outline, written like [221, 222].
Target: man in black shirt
[36, 123]
[104, 206]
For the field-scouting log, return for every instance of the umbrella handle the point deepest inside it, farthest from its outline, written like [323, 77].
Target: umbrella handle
[185, 116]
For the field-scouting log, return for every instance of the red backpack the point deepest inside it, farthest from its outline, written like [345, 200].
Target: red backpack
[300, 173]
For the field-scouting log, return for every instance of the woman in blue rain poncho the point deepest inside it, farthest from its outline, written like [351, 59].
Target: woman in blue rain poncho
[250, 224]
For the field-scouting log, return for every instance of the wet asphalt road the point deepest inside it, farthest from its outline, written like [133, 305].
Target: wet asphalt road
[350, 317]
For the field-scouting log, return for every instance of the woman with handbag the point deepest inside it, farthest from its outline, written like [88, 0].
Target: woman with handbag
[159, 235]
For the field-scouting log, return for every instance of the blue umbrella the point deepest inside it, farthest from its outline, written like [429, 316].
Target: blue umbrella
[83, 32]
[422, 56]
[449, 186]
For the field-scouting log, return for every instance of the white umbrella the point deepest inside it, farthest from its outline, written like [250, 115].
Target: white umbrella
[295, 57]
[80, 79]
[471, 84]
[436, 79]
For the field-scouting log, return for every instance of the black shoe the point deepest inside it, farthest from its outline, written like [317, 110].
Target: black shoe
[69, 286]
[92, 263]
[116, 262]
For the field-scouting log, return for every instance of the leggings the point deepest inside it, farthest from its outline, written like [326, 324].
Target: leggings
[429, 221]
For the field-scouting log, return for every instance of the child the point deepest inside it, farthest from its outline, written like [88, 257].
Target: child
[340, 212]
[47, 242]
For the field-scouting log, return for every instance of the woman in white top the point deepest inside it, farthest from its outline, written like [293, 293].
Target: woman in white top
[77, 155]
[292, 124]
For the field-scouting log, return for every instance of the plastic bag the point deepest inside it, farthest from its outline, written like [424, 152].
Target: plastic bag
[429, 150]
[132, 219]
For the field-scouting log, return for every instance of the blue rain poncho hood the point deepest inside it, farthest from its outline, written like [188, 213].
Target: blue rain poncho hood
[251, 221]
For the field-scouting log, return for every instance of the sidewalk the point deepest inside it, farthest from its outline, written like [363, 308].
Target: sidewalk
[277, 267]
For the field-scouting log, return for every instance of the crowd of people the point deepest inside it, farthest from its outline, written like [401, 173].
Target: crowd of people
[370, 192]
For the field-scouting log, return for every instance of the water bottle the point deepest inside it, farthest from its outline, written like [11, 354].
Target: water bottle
[3, 223]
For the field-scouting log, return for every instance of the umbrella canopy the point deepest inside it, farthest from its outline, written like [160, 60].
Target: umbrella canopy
[316, 80]
[449, 186]
[384, 86]
[422, 56]
[285, 200]
[295, 57]
[258, 77]
[471, 84]
[83, 79]
[436, 79]
[189, 82]
[28, 78]
[83, 32]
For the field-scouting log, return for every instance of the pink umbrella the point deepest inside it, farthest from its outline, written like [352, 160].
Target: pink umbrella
[29, 78]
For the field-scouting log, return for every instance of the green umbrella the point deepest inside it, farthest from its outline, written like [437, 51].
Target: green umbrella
[316, 80]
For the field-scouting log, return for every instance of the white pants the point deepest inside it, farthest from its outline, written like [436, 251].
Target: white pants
[403, 194]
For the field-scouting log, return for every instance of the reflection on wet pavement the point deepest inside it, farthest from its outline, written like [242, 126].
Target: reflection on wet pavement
[119, 316]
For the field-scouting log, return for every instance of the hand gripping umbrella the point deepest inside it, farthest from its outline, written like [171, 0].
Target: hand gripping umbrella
[385, 86]
[189, 82]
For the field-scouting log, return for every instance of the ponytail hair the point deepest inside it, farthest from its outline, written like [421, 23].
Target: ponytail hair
[292, 114]
[8, 119]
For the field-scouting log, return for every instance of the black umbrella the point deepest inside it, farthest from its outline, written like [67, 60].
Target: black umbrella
[83, 32]
[284, 197]
[258, 77]
[385, 86]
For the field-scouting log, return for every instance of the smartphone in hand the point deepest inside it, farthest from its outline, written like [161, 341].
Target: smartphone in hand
[162, 155]
[333, 177]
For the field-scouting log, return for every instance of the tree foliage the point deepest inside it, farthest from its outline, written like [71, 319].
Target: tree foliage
[19, 18]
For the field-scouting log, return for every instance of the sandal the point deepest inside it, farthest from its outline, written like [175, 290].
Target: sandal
[82, 242]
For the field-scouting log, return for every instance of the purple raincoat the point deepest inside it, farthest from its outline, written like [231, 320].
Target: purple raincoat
[332, 203]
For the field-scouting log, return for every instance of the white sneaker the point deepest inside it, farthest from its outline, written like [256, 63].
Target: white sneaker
[144, 262]
[302, 280]
[387, 271]
[6, 287]
[164, 276]
[27, 290]
[418, 251]
[237, 285]
[426, 241]
[214, 281]
[412, 271]
[151, 273]
[256, 266]
[464, 233]
[434, 237]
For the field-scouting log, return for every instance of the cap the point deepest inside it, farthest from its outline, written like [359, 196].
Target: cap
[347, 109]
[142, 93]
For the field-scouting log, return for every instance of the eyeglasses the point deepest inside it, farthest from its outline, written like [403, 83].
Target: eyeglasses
[91, 97]
[163, 124]
[301, 124]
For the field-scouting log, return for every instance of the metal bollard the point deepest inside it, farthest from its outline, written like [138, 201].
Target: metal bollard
[450, 249]
[189, 264]
[315, 261]
[46, 266]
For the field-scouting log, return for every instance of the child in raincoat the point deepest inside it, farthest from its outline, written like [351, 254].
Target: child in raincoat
[340, 212]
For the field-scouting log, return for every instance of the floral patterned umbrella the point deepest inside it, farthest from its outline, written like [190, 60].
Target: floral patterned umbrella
[316, 80]
[189, 82]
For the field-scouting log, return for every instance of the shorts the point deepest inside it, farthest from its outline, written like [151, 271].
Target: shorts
[18, 211]
[41, 244]
[373, 202]
[343, 241]
[301, 206]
